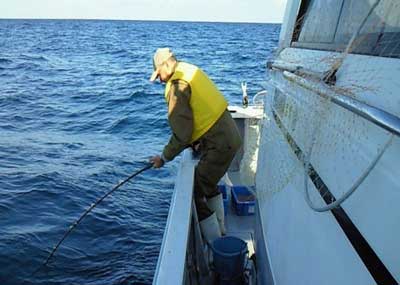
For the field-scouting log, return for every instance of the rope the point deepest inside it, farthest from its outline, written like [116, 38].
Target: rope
[88, 210]
[349, 192]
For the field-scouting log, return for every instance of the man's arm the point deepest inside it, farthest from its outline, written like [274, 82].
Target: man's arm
[180, 117]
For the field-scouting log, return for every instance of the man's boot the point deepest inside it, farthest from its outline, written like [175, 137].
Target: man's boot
[216, 204]
[210, 228]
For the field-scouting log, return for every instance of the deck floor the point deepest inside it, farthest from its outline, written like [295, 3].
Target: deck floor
[238, 226]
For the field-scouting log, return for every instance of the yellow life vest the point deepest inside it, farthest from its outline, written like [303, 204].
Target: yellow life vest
[206, 101]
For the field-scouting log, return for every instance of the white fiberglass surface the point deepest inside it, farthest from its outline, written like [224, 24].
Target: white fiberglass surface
[345, 145]
[305, 247]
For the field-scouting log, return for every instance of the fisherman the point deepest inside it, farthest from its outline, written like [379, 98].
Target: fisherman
[198, 116]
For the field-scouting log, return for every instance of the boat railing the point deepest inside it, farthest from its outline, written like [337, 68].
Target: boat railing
[172, 258]
[373, 114]
[259, 94]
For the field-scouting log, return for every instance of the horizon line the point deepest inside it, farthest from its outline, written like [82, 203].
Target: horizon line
[142, 20]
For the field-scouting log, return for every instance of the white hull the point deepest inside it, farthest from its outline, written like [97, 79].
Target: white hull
[357, 242]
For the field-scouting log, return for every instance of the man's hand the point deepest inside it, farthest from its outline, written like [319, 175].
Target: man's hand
[157, 161]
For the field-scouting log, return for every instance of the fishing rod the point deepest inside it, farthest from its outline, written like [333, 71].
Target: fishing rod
[88, 210]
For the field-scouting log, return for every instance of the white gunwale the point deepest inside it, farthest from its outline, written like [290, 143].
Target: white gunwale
[172, 258]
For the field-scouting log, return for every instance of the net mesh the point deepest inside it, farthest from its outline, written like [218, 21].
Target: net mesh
[330, 147]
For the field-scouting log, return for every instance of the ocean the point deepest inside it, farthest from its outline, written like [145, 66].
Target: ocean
[77, 115]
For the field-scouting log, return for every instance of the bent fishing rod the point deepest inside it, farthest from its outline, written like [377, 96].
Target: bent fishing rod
[88, 210]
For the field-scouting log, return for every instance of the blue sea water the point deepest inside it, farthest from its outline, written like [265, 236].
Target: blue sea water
[77, 115]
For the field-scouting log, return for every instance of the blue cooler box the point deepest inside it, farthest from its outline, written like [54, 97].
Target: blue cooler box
[243, 201]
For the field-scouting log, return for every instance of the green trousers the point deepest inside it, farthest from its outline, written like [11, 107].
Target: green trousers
[218, 148]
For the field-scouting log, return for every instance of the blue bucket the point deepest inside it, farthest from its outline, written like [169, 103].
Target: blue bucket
[229, 255]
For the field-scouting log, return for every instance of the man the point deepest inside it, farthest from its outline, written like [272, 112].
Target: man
[197, 113]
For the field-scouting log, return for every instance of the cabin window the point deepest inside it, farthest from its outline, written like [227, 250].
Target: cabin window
[285, 107]
[320, 21]
[279, 102]
[330, 24]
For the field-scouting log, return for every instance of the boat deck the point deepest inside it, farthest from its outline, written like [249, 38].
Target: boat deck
[238, 226]
[192, 266]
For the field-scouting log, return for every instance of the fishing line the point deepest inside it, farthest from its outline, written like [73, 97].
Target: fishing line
[88, 210]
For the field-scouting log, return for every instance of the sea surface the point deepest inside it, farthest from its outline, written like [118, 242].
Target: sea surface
[77, 115]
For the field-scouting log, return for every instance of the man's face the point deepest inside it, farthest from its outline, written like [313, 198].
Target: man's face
[165, 72]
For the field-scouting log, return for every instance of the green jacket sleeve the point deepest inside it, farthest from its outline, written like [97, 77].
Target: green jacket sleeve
[180, 118]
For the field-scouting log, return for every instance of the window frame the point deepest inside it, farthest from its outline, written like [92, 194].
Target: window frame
[374, 48]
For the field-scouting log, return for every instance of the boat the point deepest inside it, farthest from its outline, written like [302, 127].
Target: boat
[321, 155]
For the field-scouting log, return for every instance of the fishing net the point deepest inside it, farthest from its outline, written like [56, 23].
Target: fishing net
[333, 151]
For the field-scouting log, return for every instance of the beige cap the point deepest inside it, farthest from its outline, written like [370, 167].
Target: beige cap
[160, 56]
